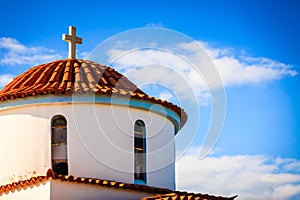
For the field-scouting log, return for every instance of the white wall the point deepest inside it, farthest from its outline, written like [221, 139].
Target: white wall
[100, 142]
[24, 143]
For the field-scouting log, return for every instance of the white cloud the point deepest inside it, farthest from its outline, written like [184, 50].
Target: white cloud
[166, 95]
[237, 69]
[158, 24]
[12, 44]
[84, 54]
[159, 67]
[4, 79]
[15, 53]
[162, 68]
[249, 176]
[181, 59]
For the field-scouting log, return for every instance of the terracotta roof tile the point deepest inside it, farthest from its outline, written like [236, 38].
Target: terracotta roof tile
[75, 76]
[187, 196]
[105, 183]
[22, 184]
[162, 193]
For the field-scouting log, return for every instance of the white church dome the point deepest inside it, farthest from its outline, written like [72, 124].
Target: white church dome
[86, 119]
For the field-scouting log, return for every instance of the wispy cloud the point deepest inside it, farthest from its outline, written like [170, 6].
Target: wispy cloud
[162, 68]
[249, 176]
[4, 79]
[12, 44]
[239, 69]
[15, 53]
[179, 67]
[84, 54]
[157, 24]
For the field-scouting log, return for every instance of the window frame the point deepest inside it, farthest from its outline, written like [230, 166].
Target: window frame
[59, 166]
[140, 151]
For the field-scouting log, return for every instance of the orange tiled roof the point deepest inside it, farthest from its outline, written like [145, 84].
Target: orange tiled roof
[106, 183]
[75, 76]
[162, 193]
[187, 196]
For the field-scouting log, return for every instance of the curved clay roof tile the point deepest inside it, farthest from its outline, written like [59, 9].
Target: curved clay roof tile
[75, 76]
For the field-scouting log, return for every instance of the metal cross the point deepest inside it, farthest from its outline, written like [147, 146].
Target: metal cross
[73, 40]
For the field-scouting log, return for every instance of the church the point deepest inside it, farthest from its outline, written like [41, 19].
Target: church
[77, 129]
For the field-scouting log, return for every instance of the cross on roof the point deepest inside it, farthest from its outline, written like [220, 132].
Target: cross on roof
[73, 40]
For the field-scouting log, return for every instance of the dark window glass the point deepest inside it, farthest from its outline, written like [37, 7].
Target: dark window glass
[139, 151]
[59, 142]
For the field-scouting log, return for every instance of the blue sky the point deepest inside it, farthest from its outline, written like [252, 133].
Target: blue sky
[261, 134]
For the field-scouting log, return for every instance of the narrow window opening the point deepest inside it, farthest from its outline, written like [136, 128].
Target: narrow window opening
[139, 152]
[59, 153]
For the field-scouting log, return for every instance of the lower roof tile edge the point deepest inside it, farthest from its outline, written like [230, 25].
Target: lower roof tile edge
[161, 193]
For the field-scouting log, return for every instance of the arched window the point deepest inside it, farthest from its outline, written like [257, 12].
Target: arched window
[59, 153]
[139, 152]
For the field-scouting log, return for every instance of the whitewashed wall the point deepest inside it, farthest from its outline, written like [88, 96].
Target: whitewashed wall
[24, 143]
[100, 142]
